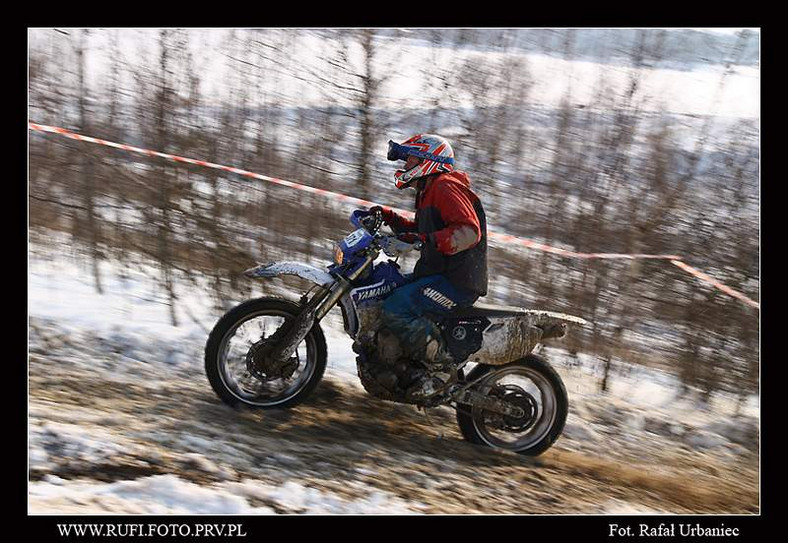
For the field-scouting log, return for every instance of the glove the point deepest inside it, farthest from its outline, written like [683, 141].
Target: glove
[395, 246]
[385, 213]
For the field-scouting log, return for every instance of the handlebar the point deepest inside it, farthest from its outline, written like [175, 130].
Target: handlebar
[369, 221]
[372, 221]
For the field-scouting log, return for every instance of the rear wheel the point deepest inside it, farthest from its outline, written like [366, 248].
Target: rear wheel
[236, 362]
[530, 384]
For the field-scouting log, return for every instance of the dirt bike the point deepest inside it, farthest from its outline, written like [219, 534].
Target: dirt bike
[271, 352]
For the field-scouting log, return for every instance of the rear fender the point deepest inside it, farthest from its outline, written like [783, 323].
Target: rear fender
[510, 338]
[552, 324]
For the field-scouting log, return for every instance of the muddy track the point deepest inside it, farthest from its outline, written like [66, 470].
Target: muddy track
[171, 423]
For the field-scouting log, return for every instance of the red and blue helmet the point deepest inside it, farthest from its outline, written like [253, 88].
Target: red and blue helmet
[436, 154]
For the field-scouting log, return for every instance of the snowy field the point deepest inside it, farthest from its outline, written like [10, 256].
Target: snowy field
[131, 319]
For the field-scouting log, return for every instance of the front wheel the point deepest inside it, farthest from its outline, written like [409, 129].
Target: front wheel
[530, 384]
[235, 360]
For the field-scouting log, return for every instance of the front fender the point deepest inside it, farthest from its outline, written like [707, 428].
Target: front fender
[310, 273]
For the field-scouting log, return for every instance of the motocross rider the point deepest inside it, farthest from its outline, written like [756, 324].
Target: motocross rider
[452, 269]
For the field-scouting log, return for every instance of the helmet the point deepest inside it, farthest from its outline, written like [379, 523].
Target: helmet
[436, 154]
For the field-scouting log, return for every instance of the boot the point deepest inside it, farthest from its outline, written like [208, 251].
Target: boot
[436, 357]
[425, 386]
[436, 354]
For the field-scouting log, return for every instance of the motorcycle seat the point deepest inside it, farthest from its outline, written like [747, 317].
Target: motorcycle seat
[543, 319]
[486, 310]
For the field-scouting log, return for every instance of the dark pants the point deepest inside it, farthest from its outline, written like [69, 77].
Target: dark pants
[407, 309]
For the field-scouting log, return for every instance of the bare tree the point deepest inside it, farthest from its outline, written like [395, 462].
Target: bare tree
[163, 104]
[370, 92]
[88, 172]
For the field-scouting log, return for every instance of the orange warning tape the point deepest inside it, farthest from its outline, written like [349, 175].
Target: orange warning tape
[506, 238]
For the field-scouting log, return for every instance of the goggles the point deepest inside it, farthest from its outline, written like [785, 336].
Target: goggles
[402, 152]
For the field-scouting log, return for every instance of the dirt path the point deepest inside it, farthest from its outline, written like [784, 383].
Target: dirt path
[160, 421]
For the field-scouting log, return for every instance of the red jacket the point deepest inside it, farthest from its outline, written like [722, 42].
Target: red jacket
[452, 217]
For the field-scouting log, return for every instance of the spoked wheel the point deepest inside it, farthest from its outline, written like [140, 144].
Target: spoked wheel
[531, 385]
[237, 364]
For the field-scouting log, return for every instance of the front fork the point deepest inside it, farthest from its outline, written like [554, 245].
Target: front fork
[314, 310]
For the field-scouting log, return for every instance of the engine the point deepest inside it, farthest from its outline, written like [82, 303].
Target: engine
[384, 370]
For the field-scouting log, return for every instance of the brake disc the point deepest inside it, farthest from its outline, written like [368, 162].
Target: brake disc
[517, 397]
[260, 365]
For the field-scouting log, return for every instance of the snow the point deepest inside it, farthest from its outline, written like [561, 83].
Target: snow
[131, 319]
[60, 289]
[620, 508]
[648, 389]
[157, 495]
[134, 319]
[77, 441]
[170, 495]
[133, 312]
[706, 440]
[678, 91]
[581, 431]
